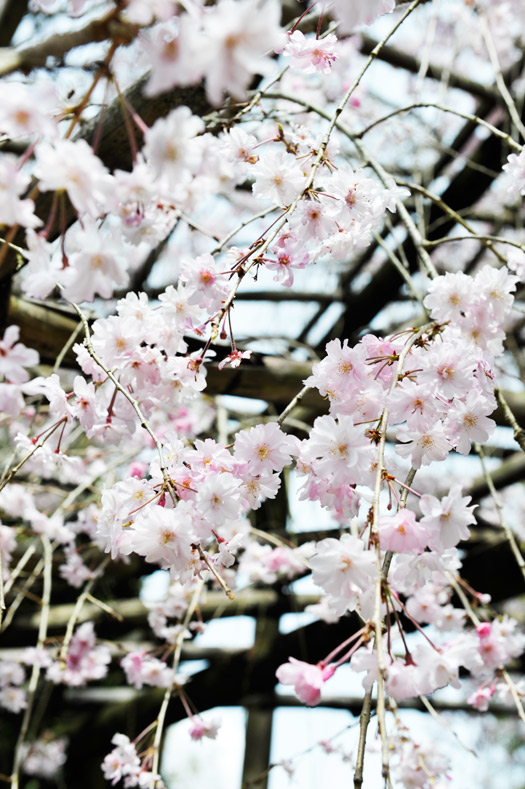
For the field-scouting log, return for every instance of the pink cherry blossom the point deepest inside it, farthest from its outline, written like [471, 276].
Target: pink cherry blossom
[306, 678]
[423, 448]
[264, 448]
[201, 727]
[351, 15]
[278, 177]
[336, 447]
[14, 357]
[402, 533]
[170, 146]
[449, 296]
[13, 210]
[72, 165]
[343, 569]
[515, 169]
[238, 36]
[448, 519]
[310, 54]
[174, 49]
[290, 254]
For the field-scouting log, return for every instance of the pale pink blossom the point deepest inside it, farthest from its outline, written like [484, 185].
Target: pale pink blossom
[28, 109]
[98, 261]
[449, 296]
[495, 287]
[480, 698]
[163, 536]
[14, 357]
[175, 53]
[85, 659]
[311, 54]
[170, 146]
[414, 403]
[43, 270]
[201, 727]
[423, 448]
[239, 36]
[467, 421]
[351, 14]
[515, 169]
[72, 165]
[264, 448]
[446, 370]
[257, 488]
[337, 447]
[239, 147]
[234, 359]
[122, 760]
[207, 287]
[13, 699]
[402, 533]
[278, 177]
[219, 498]
[306, 678]
[290, 253]
[44, 758]
[13, 210]
[343, 568]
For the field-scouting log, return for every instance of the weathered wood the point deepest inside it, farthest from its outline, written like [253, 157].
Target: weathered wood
[11, 16]
[48, 328]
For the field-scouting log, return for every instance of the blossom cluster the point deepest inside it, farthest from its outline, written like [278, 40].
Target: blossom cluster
[439, 398]
[133, 413]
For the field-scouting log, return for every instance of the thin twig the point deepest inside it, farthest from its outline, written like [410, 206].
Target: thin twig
[402, 271]
[220, 580]
[511, 142]
[520, 561]
[453, 215]
[377, 620]
[510, 419]
[81, 599]
[35, 673]
[500, 81]
[435, 714]
[161, 718]
[40, 443]
[514, 693]
[131, 400]
[364, 720]
[291, 405]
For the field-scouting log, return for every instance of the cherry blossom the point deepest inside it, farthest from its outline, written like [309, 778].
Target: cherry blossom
[14, 357]
[238, 37]
[204, 728]
[73, 166]
[337, 446]
[174, 49]
[13, 183]
[44, 758]
[402, 533]
[448, 519]
[309, 54]
[264, 448]
[266, 173]
[170, 146]
[278, 177]
[515, 169]
[343, 569]
[350, 15]
[306, 679]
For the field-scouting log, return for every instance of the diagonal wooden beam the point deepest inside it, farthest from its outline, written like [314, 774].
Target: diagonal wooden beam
[12, 14]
